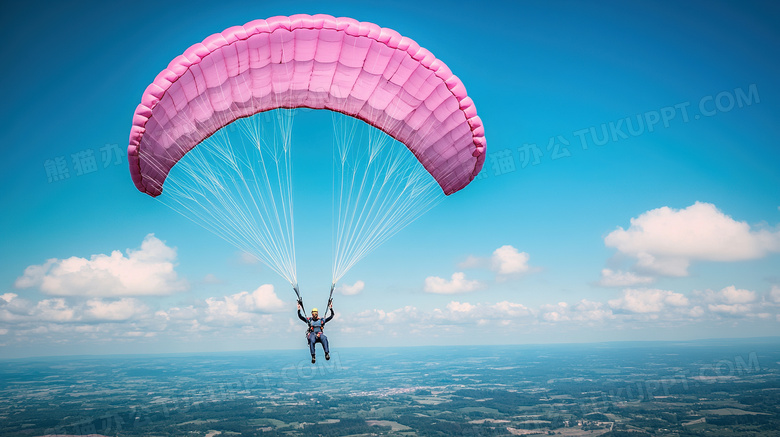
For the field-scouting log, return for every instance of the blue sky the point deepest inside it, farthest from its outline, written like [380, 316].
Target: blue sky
[528, 245]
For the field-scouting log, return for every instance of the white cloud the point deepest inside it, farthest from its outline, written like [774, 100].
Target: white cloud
[732, 294]
[507, 260]
[33, 275]
[455, 317]
[349, 290]
[483, 311]
[735, 309]
[8, 297]
[458, 307]
[457, 284]
[592, 311]
[58, 310]
[378, 321]
[648, 300]
[241, 307]
[53, 310]
[610, 278]
[73, 319]
[118, 310]
[556, 312]
[14, 309]
[176, 313]
[696, 311]
[511, 309]
[731, 301]
[145, 271]
[729, 295]
[554, 316]
[263, 299]
[243, 313]
[18, 311]
[666, 240]
[774, 294]
[583, 311]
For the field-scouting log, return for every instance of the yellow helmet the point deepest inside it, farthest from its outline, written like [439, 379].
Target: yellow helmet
[314, 310]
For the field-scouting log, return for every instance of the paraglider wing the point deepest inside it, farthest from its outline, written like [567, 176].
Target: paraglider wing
[319, 62]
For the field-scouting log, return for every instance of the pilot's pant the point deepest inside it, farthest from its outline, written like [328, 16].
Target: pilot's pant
[314, 338]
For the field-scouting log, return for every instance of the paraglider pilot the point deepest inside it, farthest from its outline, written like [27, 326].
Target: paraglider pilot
[315, 332]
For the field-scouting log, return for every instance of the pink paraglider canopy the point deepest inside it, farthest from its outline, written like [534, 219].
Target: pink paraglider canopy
[320, 62]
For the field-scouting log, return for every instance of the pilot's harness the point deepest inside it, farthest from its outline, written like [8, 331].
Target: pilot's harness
[324, 316]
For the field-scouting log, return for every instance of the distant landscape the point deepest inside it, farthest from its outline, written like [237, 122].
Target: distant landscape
[712, 388]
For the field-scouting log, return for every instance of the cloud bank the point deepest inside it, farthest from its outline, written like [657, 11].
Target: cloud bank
[665, 240]
[457, 284]
[149, 270]
[350, 290]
